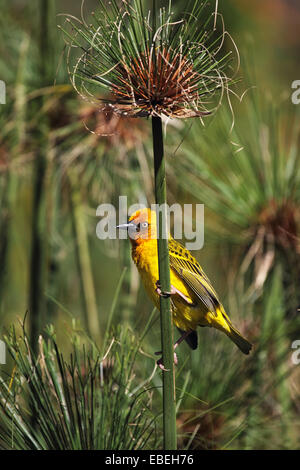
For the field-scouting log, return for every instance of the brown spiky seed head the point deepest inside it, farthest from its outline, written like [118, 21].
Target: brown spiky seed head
[158, 84]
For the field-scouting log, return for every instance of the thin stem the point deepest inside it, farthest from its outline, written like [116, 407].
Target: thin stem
[37, 274]
[84, 261]
[169, 405]
[10, 178]
[38, 237]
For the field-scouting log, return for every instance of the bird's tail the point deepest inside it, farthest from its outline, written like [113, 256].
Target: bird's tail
[224, 324]
[239, 340]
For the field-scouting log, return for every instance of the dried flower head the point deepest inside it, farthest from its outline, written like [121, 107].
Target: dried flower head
[280, 224]
[105, 123]
[152, 65]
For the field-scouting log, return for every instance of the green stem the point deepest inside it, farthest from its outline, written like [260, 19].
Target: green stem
[10, 178]
[169, 403]
[37, 265]
[38, 235]
[84, 261]
[127, 300]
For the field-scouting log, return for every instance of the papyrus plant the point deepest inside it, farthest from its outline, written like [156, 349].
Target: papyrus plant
[159, 64]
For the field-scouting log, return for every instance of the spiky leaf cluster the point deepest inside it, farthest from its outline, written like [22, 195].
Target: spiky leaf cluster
[150, 63]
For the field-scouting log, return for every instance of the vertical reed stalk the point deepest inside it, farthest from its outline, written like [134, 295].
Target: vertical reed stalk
[84, 262]
[10, 178]
[169, 404]
[38, 236]
[127, 300]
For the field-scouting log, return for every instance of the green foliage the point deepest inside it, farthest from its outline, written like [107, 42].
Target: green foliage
[249, 182]
[83, 402]
[245, 168]
[153, 61]
[223, 399]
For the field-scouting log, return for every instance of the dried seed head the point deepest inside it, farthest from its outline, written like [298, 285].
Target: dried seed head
[281, 223]
[151, 65]
[106, 123]
[163, 84]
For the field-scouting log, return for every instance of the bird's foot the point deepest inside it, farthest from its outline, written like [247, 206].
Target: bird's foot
[165, 295]
[160, 361]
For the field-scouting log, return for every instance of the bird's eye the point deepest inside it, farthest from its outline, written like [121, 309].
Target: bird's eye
[144, 224]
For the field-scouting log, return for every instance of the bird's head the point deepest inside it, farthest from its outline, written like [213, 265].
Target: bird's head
[141, 226]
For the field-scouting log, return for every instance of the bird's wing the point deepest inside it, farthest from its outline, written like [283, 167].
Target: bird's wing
[190, 271]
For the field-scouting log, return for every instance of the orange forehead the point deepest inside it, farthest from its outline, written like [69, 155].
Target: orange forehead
[143, 215]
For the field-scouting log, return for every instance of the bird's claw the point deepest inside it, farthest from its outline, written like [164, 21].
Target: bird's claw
[164, 294]
[160, 361]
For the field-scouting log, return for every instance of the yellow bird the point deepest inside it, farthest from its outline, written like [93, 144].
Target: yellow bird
[194, 301]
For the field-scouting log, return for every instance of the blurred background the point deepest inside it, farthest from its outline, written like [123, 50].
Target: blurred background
[54, 173]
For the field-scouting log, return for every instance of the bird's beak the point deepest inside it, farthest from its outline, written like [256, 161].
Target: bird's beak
[125, 226]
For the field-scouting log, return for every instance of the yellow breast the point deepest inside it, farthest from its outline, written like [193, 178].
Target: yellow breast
[185, 316]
